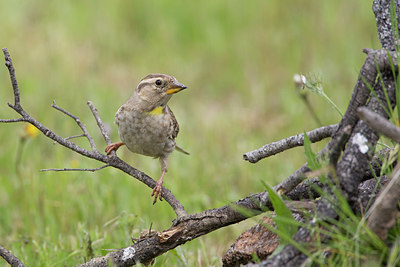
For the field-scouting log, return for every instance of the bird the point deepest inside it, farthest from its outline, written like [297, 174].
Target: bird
[146, 124]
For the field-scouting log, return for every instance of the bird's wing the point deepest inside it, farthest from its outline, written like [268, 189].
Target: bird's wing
[175, 132]
[174, 123]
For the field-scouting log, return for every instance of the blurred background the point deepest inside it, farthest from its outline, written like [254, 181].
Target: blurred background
[237, 59]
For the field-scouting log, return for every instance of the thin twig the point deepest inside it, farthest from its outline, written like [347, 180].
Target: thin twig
[13, 77]
[10, 258]
[75, 136]
[288, 143]
[12, 120]
[100, 123]
[84, 170]
[80, 124]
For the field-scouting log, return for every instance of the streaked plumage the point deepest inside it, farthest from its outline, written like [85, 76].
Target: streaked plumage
[146, 125]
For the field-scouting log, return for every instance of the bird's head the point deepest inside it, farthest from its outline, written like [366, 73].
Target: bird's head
[157, 89]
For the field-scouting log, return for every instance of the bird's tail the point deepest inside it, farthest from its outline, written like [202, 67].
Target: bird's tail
[181, 150]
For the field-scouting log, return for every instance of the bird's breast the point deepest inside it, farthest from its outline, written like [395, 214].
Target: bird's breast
[147, 133]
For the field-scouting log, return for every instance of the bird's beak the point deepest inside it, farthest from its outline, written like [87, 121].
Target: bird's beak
[175, 87]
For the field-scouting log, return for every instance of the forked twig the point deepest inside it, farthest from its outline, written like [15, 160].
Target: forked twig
[80, 124]
[77, 169]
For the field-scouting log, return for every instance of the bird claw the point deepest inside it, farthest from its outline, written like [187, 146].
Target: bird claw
[109, 148]
[113, 147]
[157, 193]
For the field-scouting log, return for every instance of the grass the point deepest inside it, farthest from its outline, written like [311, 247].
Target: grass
[238, 61]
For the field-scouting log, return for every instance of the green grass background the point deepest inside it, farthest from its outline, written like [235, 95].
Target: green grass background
[237, 59]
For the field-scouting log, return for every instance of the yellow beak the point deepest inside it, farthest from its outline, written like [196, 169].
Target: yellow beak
[175, 88]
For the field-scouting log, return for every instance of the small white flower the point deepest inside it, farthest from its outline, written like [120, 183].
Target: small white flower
[300, 80]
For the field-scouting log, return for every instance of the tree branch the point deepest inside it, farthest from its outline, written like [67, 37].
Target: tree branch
[10, 258]
[84, 170]
[383, 213]
[99, 122]
[381, 9]
[9, 65]
[337, 149]
[13, 120]
[363, 141]
[379, 124]
[75, 136]
[288, 143]
[80, 124]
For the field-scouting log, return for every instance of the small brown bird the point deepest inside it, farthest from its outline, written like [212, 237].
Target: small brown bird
[146, 125]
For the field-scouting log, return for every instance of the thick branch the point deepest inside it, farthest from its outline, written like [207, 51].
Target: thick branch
[336, 150]
[183, 230]
[363, 141]
[288, 143]
[384, 21]
[376, 60]
[10, 258]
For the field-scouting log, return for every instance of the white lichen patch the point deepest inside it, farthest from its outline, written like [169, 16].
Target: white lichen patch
[128, 253]
[362, 142]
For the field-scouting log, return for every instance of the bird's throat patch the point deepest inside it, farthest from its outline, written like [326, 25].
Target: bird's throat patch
[157, 111]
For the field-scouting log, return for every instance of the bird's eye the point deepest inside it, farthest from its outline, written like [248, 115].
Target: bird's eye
[158, 82]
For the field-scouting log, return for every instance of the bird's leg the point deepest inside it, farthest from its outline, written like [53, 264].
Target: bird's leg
[157, 189]
[113, 146]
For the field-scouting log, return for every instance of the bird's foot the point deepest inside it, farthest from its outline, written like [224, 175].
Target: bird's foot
[113, 146]
[157, 191]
